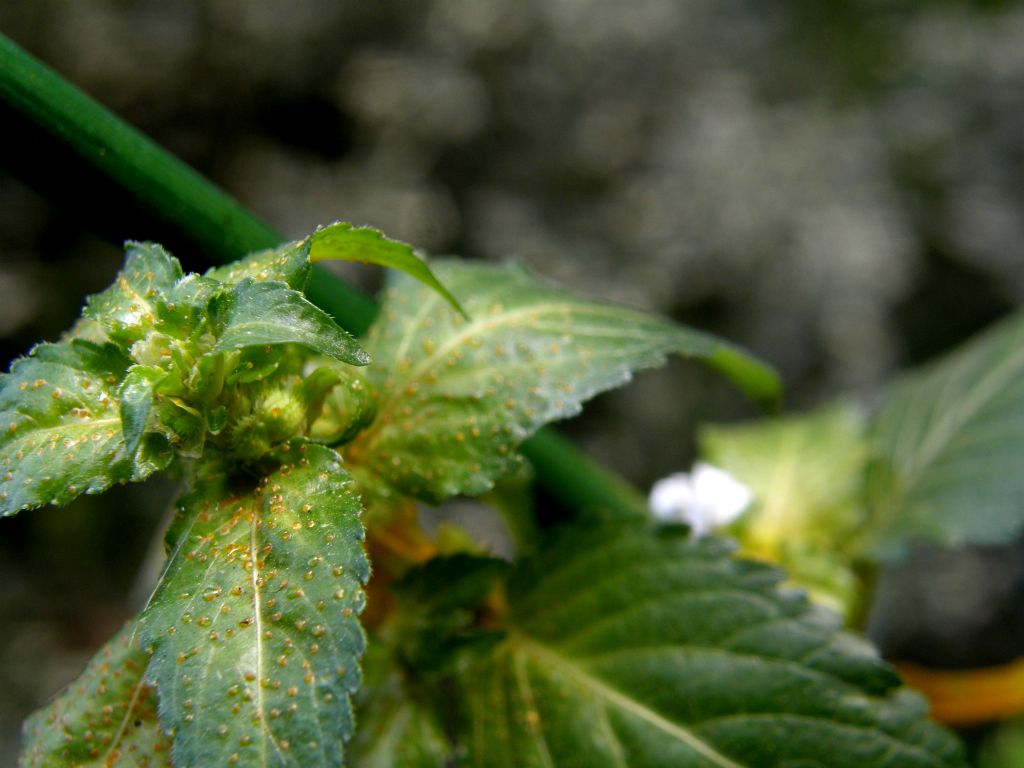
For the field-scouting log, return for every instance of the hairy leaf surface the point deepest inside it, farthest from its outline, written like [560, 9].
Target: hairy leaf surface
[288, 264]
[456, 397]
[185, 314]
[254, 625]
[345, 242]
[60, 428]
[633, 647]
[127, 309]
[947, 448]
[105, 719]
[270, 313]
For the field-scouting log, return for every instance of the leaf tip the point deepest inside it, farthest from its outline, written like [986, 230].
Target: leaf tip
[347, 242]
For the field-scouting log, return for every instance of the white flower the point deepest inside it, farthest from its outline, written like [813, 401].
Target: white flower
[707, 498]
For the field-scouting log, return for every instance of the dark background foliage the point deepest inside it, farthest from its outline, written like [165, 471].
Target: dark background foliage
[836, 185]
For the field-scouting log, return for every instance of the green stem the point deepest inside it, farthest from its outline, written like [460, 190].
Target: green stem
[578, 481]
[224, 230]
[212, 220]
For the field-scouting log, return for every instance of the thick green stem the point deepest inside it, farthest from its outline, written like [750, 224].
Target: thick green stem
[152, 175]
[213, 221]
[224, 230]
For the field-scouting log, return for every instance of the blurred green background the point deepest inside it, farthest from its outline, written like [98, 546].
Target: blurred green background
[837, 185]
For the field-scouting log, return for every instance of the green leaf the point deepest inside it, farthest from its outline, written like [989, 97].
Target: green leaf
[806, 474]
[185, 312]
[457, 397]
[1004, 746]
[127, 309]
[60, 428]
[345, 242]
[254, 625]
[396, 730]
[136, 395]
[256, 314]
[399, 712]
[628, 646]
[947, 446]
[436, 606]
[288, 264]
[448, 583]
[180, 427]
[153, 428]
[315, 387]
[344, 409]
[105, 719]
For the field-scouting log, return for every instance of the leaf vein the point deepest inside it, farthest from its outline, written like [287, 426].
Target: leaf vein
[626, 704]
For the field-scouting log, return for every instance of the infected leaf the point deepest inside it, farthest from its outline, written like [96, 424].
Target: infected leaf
[127, 309]
[259, 314]
[254, 625]
[288, 264]
[104, 719]
[456, 397]
[60, 429]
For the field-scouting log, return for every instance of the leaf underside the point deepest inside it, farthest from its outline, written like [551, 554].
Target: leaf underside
[254, 625]
[455, 397]
[60, 429]
[628, 647]
[948, 444]
[105, 719]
